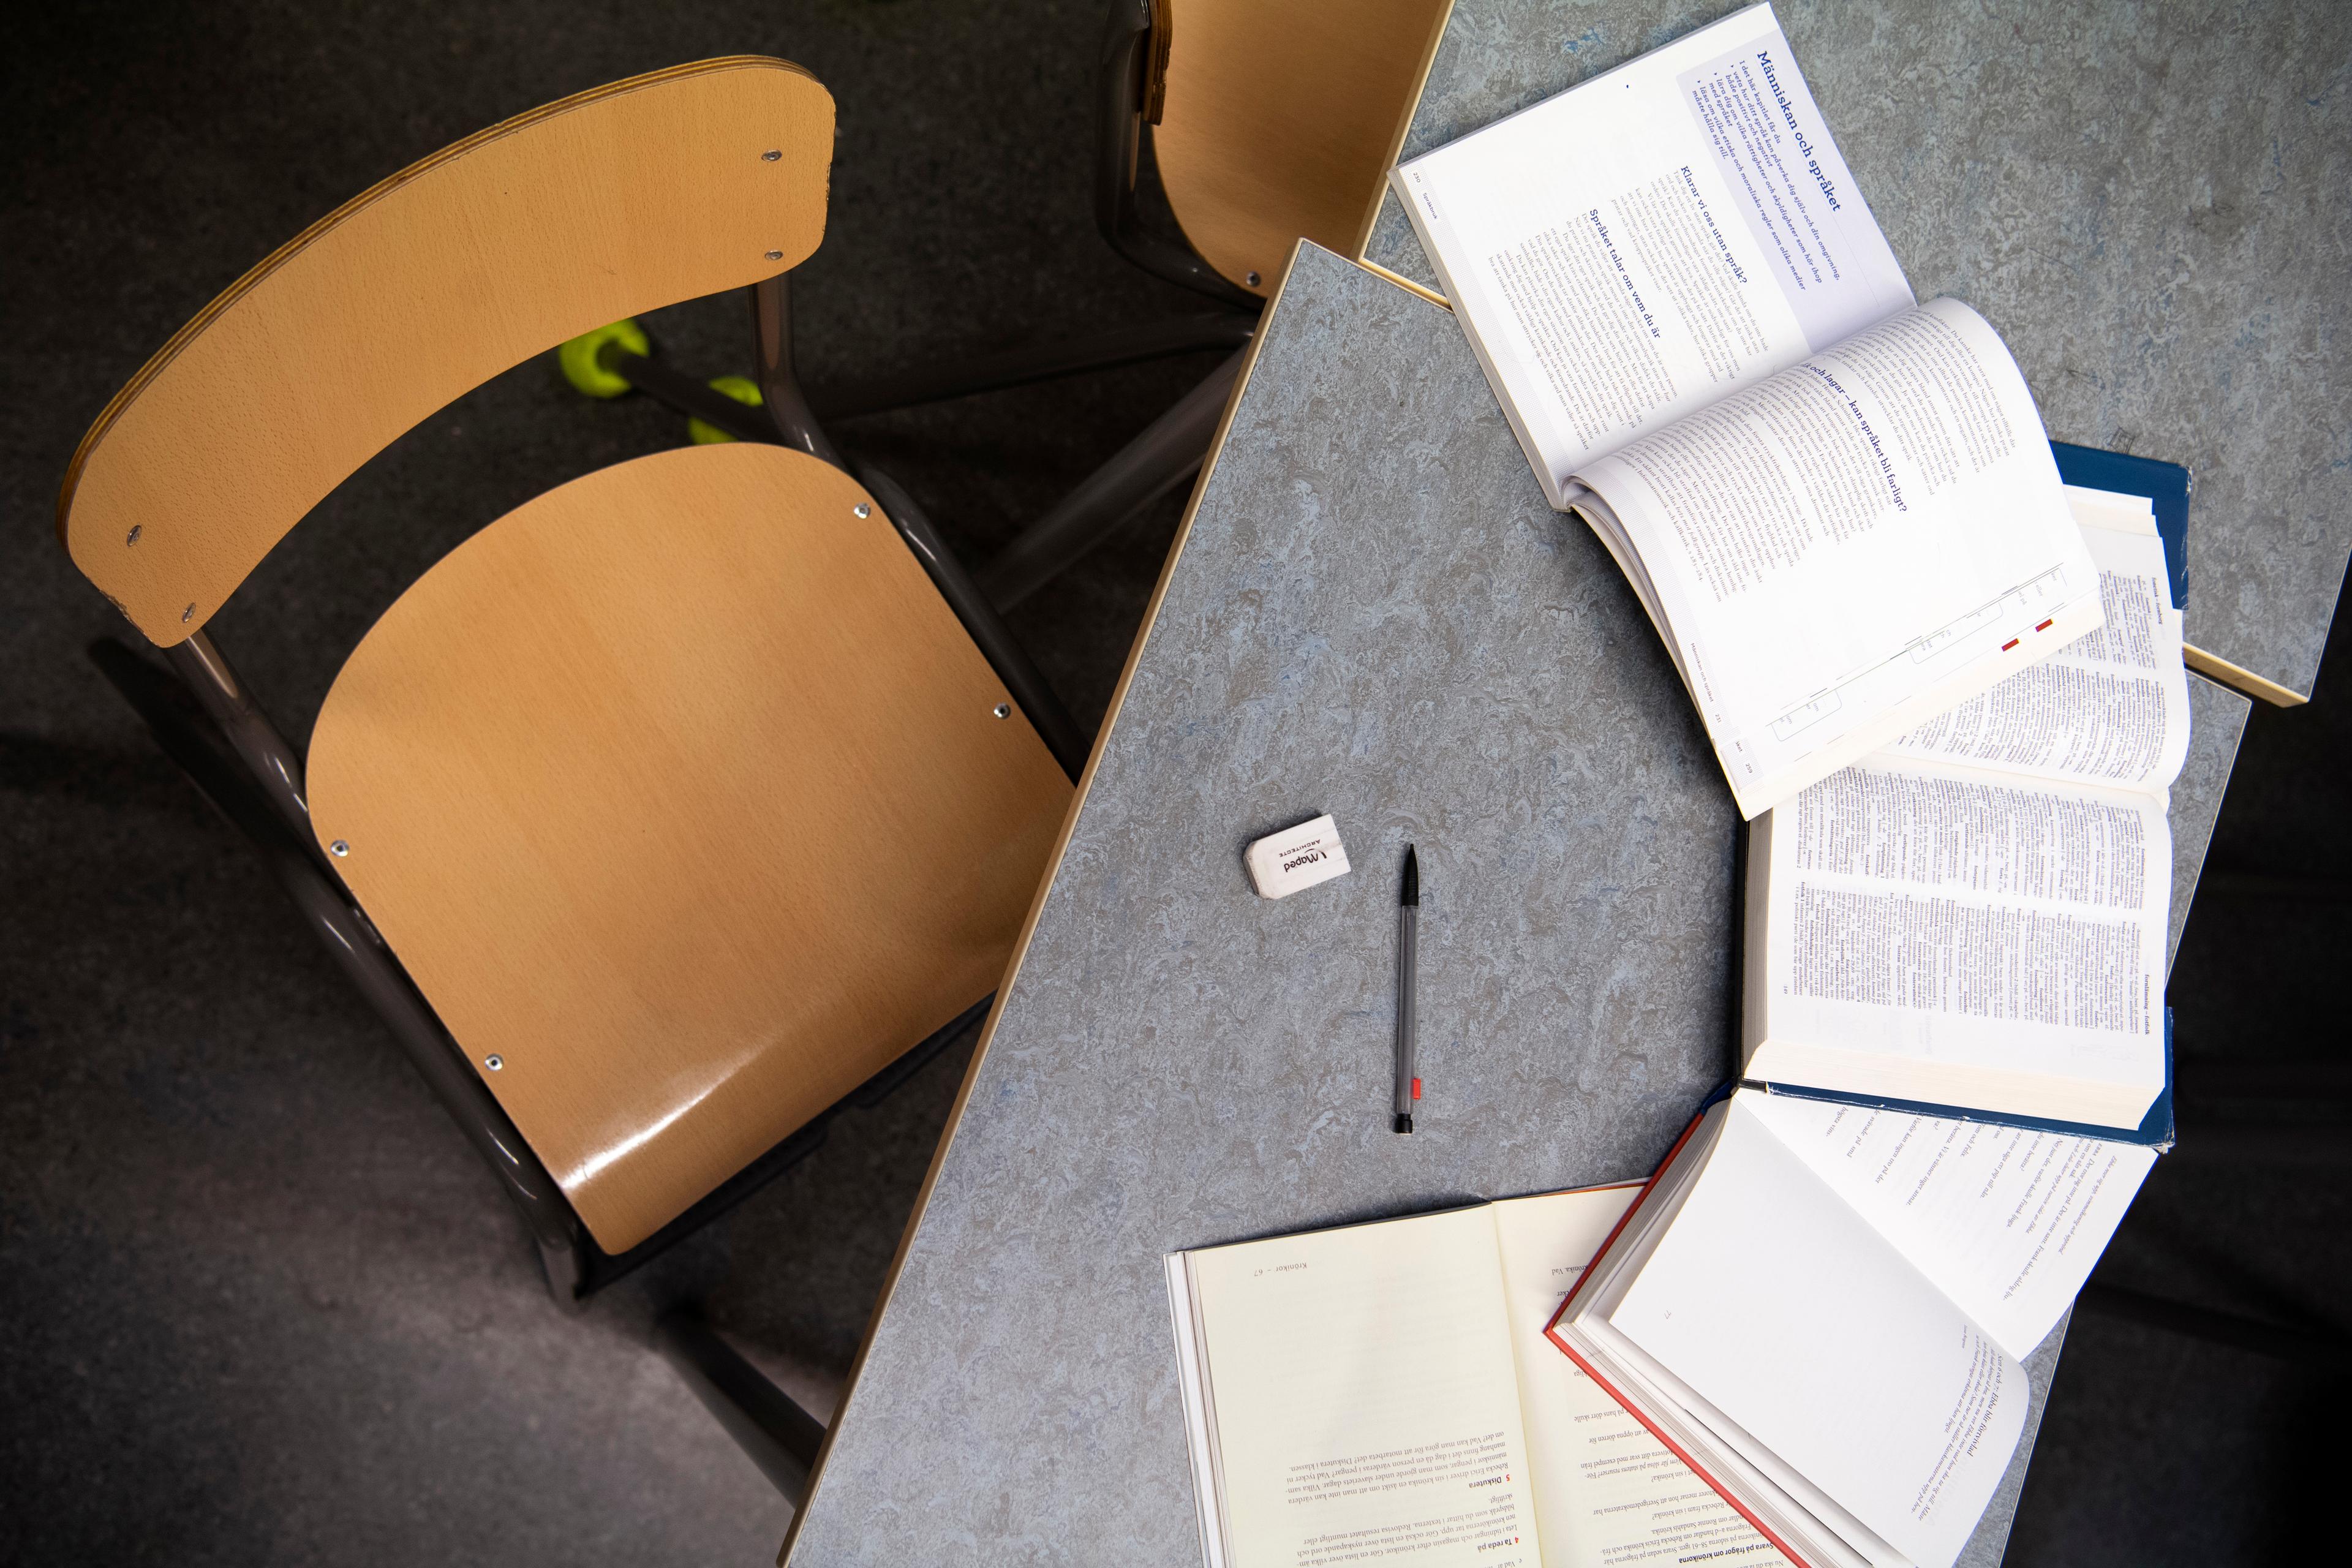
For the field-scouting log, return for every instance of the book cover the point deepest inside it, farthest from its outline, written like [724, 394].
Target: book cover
[2166, 487]
[2154, 1132]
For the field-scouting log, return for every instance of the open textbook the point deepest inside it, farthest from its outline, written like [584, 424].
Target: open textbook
[1977, 914]
[1822, 1309]
[1838, 506]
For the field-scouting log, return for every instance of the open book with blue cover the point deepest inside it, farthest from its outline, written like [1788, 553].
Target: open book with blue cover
[1837, 505]
[1978, 915]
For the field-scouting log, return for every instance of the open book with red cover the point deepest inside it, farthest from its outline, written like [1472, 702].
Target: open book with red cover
[1822, 1309]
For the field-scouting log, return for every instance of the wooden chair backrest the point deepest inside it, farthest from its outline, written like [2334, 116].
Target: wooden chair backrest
[1281, 120]
[660, 188]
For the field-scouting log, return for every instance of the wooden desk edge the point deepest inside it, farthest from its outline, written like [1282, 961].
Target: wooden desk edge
[2239, 678]
[1037, 903]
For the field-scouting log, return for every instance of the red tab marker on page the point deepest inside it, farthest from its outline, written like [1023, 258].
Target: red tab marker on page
[2010, 644]
[2046, 625]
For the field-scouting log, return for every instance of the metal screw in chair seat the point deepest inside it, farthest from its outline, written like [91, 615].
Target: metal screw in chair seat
[1003, 710]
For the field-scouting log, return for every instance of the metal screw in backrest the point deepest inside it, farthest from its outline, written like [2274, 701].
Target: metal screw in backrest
[775, 256]
[189, 614]
[861, 509]
[494, 1063]
[339, 848]
[1253, 279]
[772, 156]
[1003, 710]
[136, 529]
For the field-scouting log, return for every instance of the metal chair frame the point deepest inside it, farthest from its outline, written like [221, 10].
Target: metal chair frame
[1167, 452]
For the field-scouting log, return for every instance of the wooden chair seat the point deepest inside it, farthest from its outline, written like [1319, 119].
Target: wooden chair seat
[683, 798]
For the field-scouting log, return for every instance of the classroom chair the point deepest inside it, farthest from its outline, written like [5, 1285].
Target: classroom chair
[670, 812]
[1264, 121]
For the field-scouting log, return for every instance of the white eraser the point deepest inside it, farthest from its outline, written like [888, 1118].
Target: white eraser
[1282, 863]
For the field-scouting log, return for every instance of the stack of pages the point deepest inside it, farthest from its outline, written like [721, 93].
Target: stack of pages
[1979, 914]
[1822, 1309]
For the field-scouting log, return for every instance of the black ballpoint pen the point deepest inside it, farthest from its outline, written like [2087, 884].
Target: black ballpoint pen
[1408, 1085]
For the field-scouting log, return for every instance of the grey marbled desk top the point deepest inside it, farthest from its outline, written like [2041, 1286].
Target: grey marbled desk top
[1373, 613]
[2149, 201]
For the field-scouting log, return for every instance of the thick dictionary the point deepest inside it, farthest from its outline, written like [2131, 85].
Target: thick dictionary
[1976, 915]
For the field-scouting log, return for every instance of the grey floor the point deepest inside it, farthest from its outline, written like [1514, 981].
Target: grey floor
[260, 1303]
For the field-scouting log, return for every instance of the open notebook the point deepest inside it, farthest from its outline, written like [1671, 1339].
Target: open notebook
[1837, 505]
[1383, 1393]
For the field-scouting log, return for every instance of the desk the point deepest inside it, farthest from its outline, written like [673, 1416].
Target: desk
[2148, 203]
[1372, 612]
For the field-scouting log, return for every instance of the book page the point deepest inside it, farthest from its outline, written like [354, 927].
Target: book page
[1781, 1306]
[2108, 708]
[1854, 545]
[1783, 1505]
[2007, 1221]
[1941, 934]
[1366, 1402]
[1635, 247]
[1608, 1494]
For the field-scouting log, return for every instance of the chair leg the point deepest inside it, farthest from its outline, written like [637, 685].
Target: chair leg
[1023, 366]
[675, 389]
[1170, 451]
[361, 954]
[766, 1423]
[1033, 362]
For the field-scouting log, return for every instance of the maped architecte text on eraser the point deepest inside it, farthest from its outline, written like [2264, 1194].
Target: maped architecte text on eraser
[1282, 863]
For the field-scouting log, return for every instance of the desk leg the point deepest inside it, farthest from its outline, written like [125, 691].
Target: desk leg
[1170, 451]
[766, 1423]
